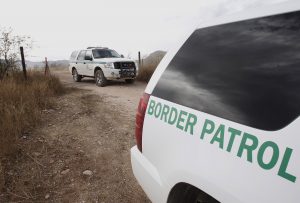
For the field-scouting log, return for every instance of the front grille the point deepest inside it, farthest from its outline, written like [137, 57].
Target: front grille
[127, 73]
[124, 65]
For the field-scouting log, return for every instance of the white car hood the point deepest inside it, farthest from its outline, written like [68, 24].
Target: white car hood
[113, 60]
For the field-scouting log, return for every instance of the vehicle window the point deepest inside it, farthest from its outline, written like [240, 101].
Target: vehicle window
[247, 72]
[89, 53]
[73, 55]
[105, 53]
[81, 55]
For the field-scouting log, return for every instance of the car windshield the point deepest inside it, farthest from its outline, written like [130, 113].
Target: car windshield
[105, 53]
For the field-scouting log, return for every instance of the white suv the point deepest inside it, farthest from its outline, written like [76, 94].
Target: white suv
[103, 64]
[219, 120]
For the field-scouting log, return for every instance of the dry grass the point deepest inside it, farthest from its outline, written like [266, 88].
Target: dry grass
[21, 104]
[145, 72]
[58, 68]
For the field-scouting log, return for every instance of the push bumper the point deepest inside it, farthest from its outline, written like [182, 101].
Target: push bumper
[120, 74]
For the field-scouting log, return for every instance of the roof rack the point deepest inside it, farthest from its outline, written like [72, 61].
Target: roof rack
[97, 48]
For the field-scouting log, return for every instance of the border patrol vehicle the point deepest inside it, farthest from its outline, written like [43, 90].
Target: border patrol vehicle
[103, 64]
[219, 119]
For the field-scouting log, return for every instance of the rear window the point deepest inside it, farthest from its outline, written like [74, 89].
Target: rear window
[81, 55]
[73, 55]
[247, 72]
[88, 53]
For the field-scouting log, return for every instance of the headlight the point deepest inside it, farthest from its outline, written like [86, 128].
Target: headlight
[109, 65]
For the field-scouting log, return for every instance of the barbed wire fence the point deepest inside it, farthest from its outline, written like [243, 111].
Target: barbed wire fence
[40, 62]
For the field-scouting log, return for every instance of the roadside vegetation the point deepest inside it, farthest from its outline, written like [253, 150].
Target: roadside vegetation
[145, 72]
[149, 65]
[21, 105]
[21, 100]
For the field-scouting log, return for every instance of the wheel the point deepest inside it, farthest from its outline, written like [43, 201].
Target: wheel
[76, 77]
[188, 193]
[129, 81]
[100, 78]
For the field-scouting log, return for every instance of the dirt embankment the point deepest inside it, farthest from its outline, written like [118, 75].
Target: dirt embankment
[81, 152]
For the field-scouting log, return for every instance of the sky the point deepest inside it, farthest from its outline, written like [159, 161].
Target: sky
[58, 27]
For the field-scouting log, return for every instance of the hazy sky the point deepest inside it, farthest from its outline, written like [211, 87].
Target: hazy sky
[60, 26]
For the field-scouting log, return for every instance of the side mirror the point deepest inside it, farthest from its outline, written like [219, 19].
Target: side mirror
[122, 56]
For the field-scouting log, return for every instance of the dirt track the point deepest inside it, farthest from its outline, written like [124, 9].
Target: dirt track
[91, 131]
[119, 93]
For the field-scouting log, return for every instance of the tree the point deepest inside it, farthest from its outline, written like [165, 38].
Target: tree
[9, 49]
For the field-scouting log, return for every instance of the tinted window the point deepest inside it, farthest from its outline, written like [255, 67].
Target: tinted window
[81, 56]
[89, 54]
[73, 55]
[247, 72]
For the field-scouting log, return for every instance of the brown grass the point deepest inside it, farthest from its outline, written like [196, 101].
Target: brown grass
[145, 72]
[58, 68]
[21, 104]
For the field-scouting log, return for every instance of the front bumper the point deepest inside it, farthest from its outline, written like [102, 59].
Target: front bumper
[147, 176]
[127, 73]
[121, 74]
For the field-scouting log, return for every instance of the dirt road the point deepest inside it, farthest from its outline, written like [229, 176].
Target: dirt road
[125, 95]
[81, 153]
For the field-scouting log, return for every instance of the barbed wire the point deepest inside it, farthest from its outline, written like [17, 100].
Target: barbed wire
[41, 58]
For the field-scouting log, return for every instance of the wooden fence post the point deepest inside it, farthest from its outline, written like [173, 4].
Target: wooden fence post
[23, 62]
[47, 70]
[139, 59]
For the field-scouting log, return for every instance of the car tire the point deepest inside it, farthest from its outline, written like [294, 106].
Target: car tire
[189, 193]
[76, 76]
[100, 78]
[129, 81]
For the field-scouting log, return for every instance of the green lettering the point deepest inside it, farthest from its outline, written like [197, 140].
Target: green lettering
[165, 111]
[181, 119]
[151, 107]
[233, 133]
[208, 128]
[173, 116]
[157, 110]
[191, 122]
[284, 164]
[219, 136]
[248, 147]
[274, 157]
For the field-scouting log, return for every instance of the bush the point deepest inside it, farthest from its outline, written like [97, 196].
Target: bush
[145, 72]
[21, 103]
[2, 70]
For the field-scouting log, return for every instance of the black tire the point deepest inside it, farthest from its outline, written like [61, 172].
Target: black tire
[76, 76]
[100, 78]
[189, 194]
[129, 81]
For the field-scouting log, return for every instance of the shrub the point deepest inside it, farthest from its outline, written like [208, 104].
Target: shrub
[145, 72]
[21, 103]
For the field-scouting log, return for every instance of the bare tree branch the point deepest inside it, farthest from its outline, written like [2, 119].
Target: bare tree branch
[9, 49]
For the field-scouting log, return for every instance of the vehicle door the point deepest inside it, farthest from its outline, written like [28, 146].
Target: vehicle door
[80, 63]
[88, 60]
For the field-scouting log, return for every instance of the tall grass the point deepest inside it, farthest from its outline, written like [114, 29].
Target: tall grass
[21, 103]
[145, 72]
[149, 65]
